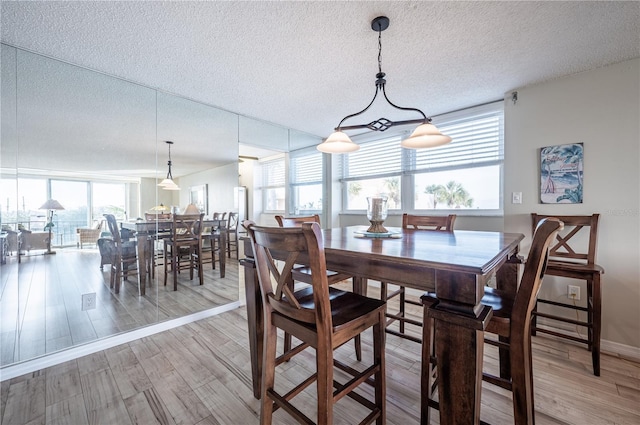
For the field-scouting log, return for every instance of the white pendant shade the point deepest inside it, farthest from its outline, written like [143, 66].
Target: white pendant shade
[168, 184]
[425, 136]
[338, 142]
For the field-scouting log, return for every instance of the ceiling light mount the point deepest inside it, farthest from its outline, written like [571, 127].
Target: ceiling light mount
[424, 136]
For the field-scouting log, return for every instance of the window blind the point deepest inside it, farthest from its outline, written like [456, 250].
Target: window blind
[477, 135]
[273, 173]
[379, 158]
[306, 169]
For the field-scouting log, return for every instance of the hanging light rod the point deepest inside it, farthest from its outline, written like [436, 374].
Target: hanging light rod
[426, 135]
[168, 183]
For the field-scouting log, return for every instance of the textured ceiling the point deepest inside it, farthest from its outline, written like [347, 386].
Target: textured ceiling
[305, 65]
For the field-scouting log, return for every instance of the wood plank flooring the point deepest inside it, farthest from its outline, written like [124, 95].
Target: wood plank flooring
[40, 301]
[200, 373]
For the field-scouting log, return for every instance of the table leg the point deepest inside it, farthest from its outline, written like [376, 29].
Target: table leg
[142, 263]
[255, 319]
[460, 321]
[223, 254]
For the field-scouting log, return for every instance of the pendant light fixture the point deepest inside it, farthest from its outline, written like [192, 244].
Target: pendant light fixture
[426, 135]
[168, 183]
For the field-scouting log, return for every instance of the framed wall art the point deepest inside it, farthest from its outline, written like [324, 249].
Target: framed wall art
[198, 196]
[561, 174]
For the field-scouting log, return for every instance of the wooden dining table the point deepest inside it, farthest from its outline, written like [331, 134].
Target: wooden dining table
[151, 228]
[457, 265]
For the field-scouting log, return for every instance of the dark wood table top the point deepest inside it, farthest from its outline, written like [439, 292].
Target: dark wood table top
[143, 226]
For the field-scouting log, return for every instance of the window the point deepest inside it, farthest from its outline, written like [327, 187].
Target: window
[108, 198]
[273, 184]
[465, 174]
[305, 180]
[374, 170]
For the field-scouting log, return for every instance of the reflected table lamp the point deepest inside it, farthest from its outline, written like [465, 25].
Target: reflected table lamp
[51, 205]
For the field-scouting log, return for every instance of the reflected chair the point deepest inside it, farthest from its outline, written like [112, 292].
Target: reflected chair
[156, 242]
[89, 234]
[511, 322]
[212, 249]
[573, 256]
[322, 317]
[232, 233]
[303, 274]
[185, 241]
[423, 222]
[125, 260]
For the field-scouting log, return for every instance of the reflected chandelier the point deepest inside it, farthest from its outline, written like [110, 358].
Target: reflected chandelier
[426, 135]
[168, 183]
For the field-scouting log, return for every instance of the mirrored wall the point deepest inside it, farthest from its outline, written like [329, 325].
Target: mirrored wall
[96, 144]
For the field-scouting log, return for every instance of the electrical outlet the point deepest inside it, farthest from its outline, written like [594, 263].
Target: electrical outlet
[516, 198]
[573, 292]
[88, 301]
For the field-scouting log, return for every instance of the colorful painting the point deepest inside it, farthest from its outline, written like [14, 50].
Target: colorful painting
[561, 174]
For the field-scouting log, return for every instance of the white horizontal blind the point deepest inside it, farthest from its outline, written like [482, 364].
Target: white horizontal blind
[478, 139]
[379, 158]
[273, 173]
[306, 169]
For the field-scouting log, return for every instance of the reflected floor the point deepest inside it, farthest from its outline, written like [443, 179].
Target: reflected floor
[41, 304]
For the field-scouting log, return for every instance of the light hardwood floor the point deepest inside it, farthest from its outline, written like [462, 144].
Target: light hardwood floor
[40, 301]
[200, 374]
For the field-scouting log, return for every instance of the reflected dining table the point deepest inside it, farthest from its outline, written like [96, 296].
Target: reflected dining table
[146, 230]
[456, 264]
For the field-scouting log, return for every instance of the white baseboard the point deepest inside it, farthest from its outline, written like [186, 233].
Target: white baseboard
[609, 347]
[53, 359]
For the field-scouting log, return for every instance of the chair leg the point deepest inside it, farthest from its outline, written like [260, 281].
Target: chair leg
[324, 369]
[380, 377]
[426, 371]
[268, 372]
[175, 263]
[522, 379]
[595, 299]
[402, 309]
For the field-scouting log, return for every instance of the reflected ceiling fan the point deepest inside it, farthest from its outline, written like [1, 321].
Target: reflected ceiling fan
[241, 158]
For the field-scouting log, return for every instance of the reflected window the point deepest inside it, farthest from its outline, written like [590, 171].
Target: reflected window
[272, 184]
[305, 181]
[108, 198]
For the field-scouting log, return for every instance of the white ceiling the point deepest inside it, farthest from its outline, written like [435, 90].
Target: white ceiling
[305, 65]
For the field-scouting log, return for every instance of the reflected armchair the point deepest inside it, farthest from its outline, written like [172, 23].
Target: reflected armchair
[89, 234]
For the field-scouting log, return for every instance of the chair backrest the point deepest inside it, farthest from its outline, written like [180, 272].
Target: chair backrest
[157, 216]
[296, 221]
[291, 242]
[429, 222]
[577, 242]
[115, 231]
[232, 221]
[219, 216]
[187, 228]
[534, 269]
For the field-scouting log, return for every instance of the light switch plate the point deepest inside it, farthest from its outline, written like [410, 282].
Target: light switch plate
[516, 198]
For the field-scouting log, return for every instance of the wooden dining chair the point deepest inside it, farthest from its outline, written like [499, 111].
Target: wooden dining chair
[573, 256]
[511, 322]
[424, 222]
[303, 273]
[185, 240]
[320, 316]
[155, 254]
[124, 261]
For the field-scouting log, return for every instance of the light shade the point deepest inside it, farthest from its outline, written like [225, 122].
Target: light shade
[160, 207]
[51, 204]
[191, 209]
[425, 136]
[168, 184]
[338, 142]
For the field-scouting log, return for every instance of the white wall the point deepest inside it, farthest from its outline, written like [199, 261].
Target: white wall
[221, 183]
[600, 108]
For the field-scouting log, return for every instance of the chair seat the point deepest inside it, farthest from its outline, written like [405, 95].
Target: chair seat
[556, 267]
[345, 306]
[303, 274]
